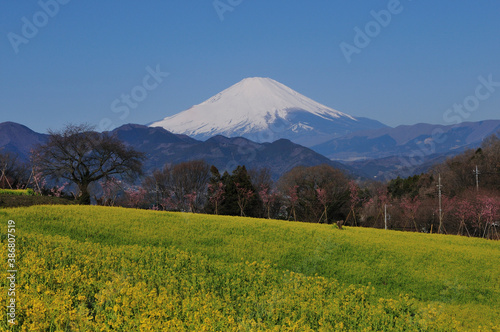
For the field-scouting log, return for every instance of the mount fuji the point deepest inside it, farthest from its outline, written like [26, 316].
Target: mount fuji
[264, 110]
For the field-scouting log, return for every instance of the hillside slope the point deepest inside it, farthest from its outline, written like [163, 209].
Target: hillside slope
[18, 139]
[456, 276]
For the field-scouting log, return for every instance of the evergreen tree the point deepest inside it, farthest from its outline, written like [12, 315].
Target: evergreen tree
[230, 204]
[216, 191]
[241, 198]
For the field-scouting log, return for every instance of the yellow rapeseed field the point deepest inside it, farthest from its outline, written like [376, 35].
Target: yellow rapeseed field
[113, 269]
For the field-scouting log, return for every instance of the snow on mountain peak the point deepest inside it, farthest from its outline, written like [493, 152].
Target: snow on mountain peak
[254, 105]
[258, 96]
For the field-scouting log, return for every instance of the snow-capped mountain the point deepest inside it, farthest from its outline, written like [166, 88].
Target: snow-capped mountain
[264, 110]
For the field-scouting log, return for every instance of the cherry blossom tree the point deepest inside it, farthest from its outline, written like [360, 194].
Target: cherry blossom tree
[374, 206]
[410, 207]
[383, 202]
[57, 191]
[383, 196]
[479, 209]
[323, 199]
[167, 203]
[268, 198]
[36, 178]
[135, 196]
[489, 211]
[244, 195]
[464, 212]
[191, 199]
[354, 200]
[293, 199]
[111, 187]
[216, 194]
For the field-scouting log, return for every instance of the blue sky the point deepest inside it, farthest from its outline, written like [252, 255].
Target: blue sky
[83, 56]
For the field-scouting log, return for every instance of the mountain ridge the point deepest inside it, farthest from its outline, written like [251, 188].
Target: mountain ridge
[406, 150]
[223, 152]
[19, 139]
[407, 139]
[163, 147]
[383, 153]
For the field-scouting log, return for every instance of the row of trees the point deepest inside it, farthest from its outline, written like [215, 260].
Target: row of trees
[470, 196]
[466, 203]
[99, 167]
[311, 194]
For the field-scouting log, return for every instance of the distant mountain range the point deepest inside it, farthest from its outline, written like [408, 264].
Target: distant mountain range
[382, 154]
[406, 140]
[264, 110]
[259, 122]
[406, 150]
[163, 147]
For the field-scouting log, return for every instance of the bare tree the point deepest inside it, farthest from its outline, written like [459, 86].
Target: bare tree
[13, 172]
[302, 182]
[188, 178]
[82, 156]
[261, 178]
[183, 185]
[159, 187]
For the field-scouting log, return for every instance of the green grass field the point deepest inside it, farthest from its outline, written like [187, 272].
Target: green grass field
[97, 268]
[18, 192]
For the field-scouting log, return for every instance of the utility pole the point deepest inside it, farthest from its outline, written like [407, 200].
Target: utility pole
[476, 172]
[440, 207]
[385, 215]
